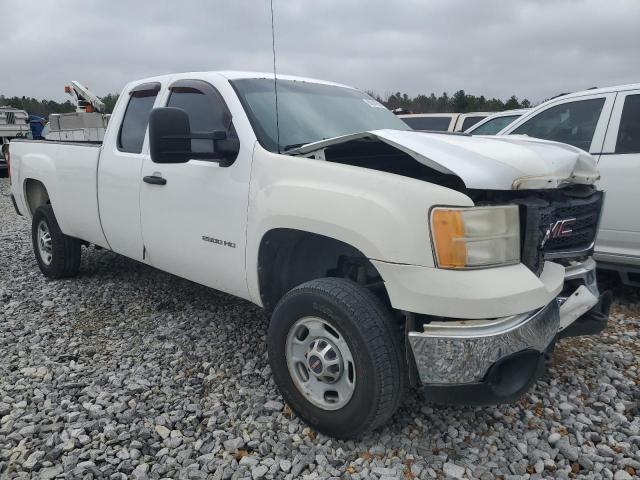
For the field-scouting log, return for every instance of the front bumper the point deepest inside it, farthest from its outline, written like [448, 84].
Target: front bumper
[457, 352]
[496, 360]
[584, 310]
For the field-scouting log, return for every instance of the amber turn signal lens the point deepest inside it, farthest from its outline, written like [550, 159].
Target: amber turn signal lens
[448, 232]
[476, 237]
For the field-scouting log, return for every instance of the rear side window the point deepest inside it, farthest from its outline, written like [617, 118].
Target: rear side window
[470, 122]
[573, 123]
[440, 124]
[629, 131]
[136, 118]
[207, 111]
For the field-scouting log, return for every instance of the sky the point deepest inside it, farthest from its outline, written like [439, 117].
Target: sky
[533, 49]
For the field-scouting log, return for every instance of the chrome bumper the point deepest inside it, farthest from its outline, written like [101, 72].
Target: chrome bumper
[580, 293]
[458, 352]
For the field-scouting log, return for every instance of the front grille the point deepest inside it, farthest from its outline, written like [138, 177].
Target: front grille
[562, 226]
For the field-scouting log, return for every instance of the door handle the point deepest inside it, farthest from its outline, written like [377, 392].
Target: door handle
[154, 180]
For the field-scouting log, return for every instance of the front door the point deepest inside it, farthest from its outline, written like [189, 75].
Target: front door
[194, 225]
[119, 170]
[619, 166]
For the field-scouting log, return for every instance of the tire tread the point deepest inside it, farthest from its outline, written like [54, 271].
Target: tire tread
[382, 337]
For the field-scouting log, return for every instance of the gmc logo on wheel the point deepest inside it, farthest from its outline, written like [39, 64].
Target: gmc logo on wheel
[560, 228]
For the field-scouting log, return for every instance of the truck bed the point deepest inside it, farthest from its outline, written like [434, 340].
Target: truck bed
[69, 170]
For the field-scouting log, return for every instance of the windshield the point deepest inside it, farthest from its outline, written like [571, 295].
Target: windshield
[309, 112]
[493, 125]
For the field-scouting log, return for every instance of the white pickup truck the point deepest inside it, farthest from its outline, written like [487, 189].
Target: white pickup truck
[386, 256]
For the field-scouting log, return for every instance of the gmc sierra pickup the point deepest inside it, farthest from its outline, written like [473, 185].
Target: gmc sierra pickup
[386, 257]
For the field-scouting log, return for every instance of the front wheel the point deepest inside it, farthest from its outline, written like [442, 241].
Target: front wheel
[57, 254]
[337, 357]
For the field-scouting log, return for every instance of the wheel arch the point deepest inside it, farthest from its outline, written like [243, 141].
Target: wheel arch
[35, 194]
[289, 257]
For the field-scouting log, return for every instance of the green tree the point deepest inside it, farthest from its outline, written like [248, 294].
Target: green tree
[512, 103]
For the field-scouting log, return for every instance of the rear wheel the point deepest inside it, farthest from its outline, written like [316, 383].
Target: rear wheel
[337, 357]
[57, 254]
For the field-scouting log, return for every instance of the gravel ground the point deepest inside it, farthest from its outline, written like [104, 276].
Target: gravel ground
[128, 372]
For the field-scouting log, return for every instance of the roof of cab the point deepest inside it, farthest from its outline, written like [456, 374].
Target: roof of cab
[237, 75]
[592, 91]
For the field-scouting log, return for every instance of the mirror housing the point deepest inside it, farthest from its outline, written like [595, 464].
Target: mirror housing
[170, 138]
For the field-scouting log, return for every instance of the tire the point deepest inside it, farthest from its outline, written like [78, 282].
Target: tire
[376, 375]
[62, 256]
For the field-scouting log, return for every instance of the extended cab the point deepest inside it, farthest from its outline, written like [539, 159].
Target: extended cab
[606, 123]
[385, 256]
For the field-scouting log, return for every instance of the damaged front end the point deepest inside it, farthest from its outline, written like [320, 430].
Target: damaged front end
[494, 360]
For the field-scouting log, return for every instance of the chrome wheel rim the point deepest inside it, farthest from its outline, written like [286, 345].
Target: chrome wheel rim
[320, 363]
[44, 243]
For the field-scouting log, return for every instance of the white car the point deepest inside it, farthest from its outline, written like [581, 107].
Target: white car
[606, 123]
[386, 256]
[493, 124]
[443, 122]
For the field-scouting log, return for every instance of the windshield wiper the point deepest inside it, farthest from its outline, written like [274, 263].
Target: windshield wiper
[294, 146]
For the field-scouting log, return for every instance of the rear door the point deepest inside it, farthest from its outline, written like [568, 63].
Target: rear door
[579, 121]
[120, 164]
[619, 166]
[194, 224]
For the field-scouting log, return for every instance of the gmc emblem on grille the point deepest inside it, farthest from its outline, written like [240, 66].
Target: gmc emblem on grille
[561, 228]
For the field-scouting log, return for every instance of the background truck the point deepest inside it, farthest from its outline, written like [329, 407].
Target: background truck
[443, 122]
[606, 123]
[493, 124]
[89, 121]
[13, 123]
[386, 257]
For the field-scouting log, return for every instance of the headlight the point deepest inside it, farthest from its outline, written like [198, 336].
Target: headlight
[476, 237]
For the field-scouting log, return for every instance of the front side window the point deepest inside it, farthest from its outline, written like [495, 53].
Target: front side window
[573, 123]
[437, 124]
[206, 112]
[309, 112]
[493, 125]
[136, 118]
[629, 131]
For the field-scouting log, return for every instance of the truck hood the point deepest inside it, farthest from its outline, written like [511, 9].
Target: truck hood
[486, 162]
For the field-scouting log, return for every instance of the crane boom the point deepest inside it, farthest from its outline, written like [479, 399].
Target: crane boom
[84, 100]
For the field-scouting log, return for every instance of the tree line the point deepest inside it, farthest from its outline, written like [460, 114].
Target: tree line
[459, 102]
[43, 108]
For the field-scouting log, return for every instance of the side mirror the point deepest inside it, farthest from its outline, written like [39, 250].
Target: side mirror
[170, 139]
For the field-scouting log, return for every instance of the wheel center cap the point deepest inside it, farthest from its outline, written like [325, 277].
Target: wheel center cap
[324, 360]
[315, 364]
